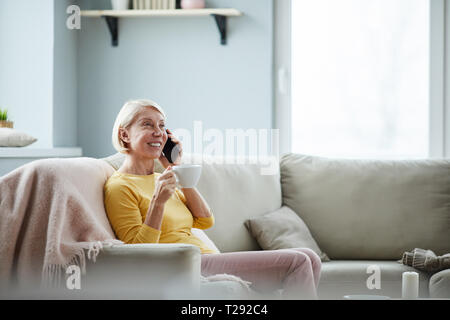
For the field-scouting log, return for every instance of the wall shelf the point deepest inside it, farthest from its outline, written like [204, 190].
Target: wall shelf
[112, 18]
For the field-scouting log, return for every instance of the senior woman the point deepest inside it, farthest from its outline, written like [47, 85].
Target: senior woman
[147, 207]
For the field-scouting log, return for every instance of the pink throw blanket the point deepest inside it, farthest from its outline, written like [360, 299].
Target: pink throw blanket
[51, 210]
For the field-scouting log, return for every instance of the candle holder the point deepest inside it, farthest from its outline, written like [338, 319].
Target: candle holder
[410, 285]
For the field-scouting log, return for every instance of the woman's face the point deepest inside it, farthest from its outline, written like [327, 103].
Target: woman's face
[146, 136]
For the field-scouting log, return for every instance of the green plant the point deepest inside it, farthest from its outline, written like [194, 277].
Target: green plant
[4, 115]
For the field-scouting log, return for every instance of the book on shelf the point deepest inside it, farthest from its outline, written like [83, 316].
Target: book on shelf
[172, 4]
[154, 4]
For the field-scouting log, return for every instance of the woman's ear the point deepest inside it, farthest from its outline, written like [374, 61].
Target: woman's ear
[123, 134]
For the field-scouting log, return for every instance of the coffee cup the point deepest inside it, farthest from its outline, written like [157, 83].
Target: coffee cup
[187, 175]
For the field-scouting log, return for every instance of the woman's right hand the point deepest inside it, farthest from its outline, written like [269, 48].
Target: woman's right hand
[165, 186]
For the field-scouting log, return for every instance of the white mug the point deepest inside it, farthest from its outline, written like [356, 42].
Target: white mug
[187, 175]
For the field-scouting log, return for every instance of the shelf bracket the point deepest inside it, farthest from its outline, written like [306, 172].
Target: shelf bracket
[221, 22]
[113, 26]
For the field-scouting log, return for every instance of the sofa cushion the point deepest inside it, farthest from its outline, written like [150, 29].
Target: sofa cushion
[235, 189]
[206, 240]
[282, 229]
[440, 284]
[370, 209]
[350, 277]
[117, 159]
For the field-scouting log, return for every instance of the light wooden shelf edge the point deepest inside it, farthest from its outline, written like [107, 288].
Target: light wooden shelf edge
[229, 12]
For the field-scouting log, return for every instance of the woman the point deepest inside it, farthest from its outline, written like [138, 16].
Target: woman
[146, 207]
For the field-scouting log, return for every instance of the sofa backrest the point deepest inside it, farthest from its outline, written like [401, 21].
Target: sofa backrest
[370, 209]
[235, 190]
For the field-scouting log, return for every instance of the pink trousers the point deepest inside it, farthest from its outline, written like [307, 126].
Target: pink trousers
[296, 271]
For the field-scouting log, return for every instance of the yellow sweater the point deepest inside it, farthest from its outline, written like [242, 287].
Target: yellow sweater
[127, 199]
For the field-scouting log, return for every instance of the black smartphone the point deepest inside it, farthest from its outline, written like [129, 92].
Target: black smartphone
[170, 151]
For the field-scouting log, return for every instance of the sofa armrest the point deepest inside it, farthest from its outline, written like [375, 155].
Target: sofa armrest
[143, 271]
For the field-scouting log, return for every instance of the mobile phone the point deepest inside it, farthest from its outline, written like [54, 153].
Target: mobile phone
[170, 150]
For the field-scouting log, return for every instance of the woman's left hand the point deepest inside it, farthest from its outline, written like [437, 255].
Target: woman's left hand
[165, 163]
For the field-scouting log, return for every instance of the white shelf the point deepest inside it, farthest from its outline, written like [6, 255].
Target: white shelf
[229, 12]
[25, 152]
[112, 16]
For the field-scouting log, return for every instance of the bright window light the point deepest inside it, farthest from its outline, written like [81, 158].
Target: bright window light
[360, 77]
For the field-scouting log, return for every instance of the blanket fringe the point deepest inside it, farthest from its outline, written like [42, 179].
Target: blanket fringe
[53, 274]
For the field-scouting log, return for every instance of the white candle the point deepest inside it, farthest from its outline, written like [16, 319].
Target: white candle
[410, 285]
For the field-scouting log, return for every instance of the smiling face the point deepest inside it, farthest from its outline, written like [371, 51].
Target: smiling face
[146, 136]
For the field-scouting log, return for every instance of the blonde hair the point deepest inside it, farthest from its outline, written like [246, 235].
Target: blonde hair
[126, 116]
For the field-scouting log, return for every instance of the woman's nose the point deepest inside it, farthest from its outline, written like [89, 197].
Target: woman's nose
[158, 132]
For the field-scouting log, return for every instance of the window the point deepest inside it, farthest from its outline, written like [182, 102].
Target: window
[360, 78]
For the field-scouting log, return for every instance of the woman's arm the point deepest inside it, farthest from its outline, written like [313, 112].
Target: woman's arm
[193, 199]
[154, 214]
[195, 203]
[164, 188]
[125, 217]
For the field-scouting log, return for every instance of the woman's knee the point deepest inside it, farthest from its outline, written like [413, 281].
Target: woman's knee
[292, 260]
[313, 256]
[301, 260]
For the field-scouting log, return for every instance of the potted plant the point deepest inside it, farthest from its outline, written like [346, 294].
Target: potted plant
[4, 122]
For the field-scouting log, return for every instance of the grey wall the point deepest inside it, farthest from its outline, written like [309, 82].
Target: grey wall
[179, 63]
[65, 78]
[26, 66]
[65, 87]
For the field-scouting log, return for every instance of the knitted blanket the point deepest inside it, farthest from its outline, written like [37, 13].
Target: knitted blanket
[241, 291]
[51, 211]
[426, 260]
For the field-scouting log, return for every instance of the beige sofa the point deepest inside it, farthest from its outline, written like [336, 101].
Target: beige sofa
[362, 213]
